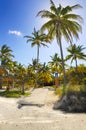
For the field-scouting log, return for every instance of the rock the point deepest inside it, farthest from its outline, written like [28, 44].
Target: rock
[72, 102]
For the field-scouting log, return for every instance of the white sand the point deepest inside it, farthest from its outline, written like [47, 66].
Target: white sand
[38, 118]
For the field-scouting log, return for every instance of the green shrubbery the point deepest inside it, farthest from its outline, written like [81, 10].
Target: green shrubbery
[13, 94]
[70, 88]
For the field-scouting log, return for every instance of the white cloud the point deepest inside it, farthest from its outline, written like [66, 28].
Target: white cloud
[15, 32]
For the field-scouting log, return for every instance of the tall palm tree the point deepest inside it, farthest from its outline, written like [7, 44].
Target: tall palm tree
[61, 22]
[38, 39]
[76, 52]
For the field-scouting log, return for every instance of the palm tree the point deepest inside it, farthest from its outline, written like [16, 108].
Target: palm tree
[5, 55]
[76, 52]
[3, 73]
[55, 63]
[45, 75]
[21, 74]
[32, 71]
[38, 39]
[33, 66]
[61, 22]
[44, 68]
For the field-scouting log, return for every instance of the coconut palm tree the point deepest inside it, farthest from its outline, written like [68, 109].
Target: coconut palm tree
[61, 22]
[45, 75]
[44, 68]
[56, 63]
[38, 39]
[3, 73]
[5, 55]
[32, 71]
[76, 52]
[21, 74]
[33, 66]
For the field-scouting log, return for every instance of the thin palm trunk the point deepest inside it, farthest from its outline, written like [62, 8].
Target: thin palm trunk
[76, 63]
[37, 55]
[61, 51]
[22, 87]
[64, 85]
[36, 79]
[0, 84]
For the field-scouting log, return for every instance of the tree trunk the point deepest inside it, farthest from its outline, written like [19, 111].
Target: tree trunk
[37, 55]
[76, 63]
[58, 34]
[8, 87]
[0, 84]
[36, 79]
[64, 84]
[22, 88]
[13, 85]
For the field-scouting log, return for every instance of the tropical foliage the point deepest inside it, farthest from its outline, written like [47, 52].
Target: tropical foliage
[76, 52]
[56, 64]
[5, 55]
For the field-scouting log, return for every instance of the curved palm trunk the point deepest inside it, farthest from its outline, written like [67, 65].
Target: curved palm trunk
[64, 84]
[61, 51]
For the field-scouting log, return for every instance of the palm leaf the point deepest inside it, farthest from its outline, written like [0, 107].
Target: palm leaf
[76, 6]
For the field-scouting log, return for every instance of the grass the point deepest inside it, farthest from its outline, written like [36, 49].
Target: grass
[13, 94]
[73, 88]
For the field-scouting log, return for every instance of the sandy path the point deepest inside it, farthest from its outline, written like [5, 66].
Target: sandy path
[38, 118]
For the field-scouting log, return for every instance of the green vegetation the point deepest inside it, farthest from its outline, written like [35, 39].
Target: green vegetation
[76, 52]
[13, 94]
[70, 88]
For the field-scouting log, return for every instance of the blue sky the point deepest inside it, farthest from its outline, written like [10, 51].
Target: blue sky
[18, 18]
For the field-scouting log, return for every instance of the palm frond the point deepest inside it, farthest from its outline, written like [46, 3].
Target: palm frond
[76, 6]
[73, 17]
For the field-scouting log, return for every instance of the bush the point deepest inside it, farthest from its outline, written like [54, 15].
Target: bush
[59, 91]
[72, 88]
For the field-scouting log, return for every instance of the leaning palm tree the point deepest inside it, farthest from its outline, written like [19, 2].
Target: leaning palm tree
[76, 52]
[61, 22]
[38, 39]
